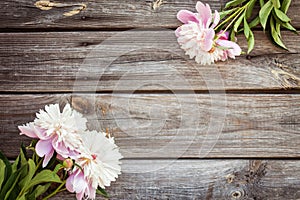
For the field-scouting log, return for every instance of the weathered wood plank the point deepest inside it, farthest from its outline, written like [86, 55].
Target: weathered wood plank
[174, 125]
[206, 179]
[105, 14]
[63, 62]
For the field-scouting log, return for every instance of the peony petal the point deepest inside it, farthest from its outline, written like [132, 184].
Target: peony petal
[208, 40]
[185, 16]
[48, 158]
[177, 31]
[216, 19]
[234, 48]
[79, 195]
[69, 183]
[223, 35]
[28, 131]
[43, 147]
[204, 13]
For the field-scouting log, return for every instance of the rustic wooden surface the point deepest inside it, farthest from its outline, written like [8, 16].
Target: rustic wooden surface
[172, 126]
[207, 179]
[112, 14]
[165, 112]
[48, 62]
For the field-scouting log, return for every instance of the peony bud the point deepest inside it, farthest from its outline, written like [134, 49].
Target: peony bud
[68, 163]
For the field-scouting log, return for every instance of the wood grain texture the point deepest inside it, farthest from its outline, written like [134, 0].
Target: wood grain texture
[136, 60]
[102, 14]
[174, 125]
[206, 179]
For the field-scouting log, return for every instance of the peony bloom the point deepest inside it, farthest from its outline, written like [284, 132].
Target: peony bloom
[57, 131]
[99, 163]
[198, 38]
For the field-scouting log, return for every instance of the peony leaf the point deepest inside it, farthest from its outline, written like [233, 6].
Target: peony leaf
[250, 8]
[246, 28]
[254, 22]
[285, 5]
[288, 26]
[234, 3]
[238, 23]
[102, 192]
[275, 35]
[276, 3]
[8, 169]
[226, 12]
[29, 175]
[264, 13]
[281, 15]
[261, 3]
[42, 177]
[2, 172]
[251, 42]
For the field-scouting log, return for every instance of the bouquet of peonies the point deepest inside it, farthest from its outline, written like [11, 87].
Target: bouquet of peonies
[209, 37]
[66, 156]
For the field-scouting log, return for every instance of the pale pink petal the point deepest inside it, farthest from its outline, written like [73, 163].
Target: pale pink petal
[177, 31]
[41, 133]
[185, 16]
[79, 182]
[48, 158]
[69, 183]
[223, 35]
[44, 148]
[216, 19]
[204, 13]
[234, 48]
[28, 131]
[208, 40]
[79, 195]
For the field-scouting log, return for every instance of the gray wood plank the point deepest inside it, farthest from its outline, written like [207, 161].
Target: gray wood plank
[206, 179]
[136, 60]
[174, 125]
[102, 14]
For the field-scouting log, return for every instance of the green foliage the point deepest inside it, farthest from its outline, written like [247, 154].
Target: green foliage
[238, 16]
[25, 179]
[102, 192]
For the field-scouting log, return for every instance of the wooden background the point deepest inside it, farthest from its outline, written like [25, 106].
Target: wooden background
[159, 128]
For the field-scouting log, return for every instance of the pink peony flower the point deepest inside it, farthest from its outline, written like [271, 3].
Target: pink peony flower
[99, 165]
[56, 131]
[198, 38]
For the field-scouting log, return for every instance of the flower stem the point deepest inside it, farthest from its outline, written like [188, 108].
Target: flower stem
[58, 189]
[234, 15]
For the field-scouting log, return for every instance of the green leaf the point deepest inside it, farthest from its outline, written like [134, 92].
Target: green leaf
[238, 23]
[288, 26]
[9, 185]
[276, 3]
[226, 12]
[264, 13]
[102, 192]
[2, 172]
[234, 3]
[15, 165]
[246, 29]
[39, 190]
[250, 41]
[261, 3]
[250, 8]
[275, 35]
[44, 176]
[29, 175]
[283, 17]
[8, 169]
[254, 22]
[285, 5]
[232, 35]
